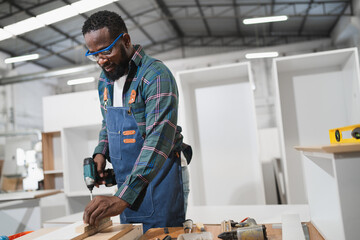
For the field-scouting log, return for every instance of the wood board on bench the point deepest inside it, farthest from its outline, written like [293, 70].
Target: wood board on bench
[69, 233]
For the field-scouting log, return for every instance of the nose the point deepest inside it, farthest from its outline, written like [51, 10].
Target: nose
[101, 60]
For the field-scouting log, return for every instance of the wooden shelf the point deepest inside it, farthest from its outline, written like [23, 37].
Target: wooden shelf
[53, 172]
[48, 148]
[333, 148]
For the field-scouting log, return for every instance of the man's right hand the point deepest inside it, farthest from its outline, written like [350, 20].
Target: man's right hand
[100, 162]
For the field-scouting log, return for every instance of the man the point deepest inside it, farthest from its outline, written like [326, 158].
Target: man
[139, 135]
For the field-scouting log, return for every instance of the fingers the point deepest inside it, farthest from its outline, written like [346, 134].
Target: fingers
[95, 217]
[100, 164]
[103, 206]
[87, 212]
[96, 210]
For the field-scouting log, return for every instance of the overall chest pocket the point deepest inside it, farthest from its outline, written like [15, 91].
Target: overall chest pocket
[138, 110]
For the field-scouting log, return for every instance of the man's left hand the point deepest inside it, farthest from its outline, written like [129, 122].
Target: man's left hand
[103, 206]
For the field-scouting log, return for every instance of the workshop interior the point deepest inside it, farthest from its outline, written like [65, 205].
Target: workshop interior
[268, 100]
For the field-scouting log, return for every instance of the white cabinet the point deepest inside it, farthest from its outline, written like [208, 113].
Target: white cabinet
[332, 183]
[76, 120]
[315, 92]
[218, 117]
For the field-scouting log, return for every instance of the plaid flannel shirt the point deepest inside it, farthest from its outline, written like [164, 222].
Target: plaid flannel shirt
[156, 115]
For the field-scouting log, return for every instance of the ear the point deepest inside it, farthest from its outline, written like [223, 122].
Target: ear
[127, 40]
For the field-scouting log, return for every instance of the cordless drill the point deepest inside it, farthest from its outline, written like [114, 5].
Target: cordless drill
[91, 175]
[245, 230]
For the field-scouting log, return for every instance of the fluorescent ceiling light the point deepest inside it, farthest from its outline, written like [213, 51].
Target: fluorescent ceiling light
[261, 55]
[57, 15]
[51, 17]
[265, 19]
[88, 5]
[24, 26]
[4, 34]
[80, 81]
[22, 58]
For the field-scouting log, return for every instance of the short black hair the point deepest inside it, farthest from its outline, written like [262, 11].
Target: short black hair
[101, 19]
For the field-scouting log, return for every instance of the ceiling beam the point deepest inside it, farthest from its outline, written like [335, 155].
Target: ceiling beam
[338, 18]
[128, 15]
[203, 18]
[256, 3]
[28, 12]
[271, 14]
[24, 9]
[165, 10]
[305, 17]
[250, 42]
[237, 18]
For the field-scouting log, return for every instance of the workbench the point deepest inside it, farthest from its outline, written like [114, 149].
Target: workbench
[20, 211]
[213, 216]
[332, 179]
[273, 232]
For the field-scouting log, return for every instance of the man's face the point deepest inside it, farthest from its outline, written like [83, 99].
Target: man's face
[115, 64]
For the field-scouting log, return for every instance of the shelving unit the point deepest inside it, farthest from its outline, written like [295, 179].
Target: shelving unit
[71, 134]
[314, 93]
[52, 161]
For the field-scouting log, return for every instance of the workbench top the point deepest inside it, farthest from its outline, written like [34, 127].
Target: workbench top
[273, 233]
[27, 195]
[333, 148]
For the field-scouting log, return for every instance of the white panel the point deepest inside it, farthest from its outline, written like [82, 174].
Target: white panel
[291, 227]
[263, 214]
[226, 136]
[70, 110]
[348, 177]
[323, 196]
[220, 124]
[318, 111]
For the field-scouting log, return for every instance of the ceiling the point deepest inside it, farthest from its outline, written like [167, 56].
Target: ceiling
[165, 25]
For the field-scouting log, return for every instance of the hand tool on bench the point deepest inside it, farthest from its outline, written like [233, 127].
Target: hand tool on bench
[247, 229]
[188, 235]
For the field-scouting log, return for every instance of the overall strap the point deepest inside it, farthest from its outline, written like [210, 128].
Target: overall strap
[140, 74]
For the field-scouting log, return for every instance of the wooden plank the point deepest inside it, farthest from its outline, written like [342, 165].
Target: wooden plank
[310, 149]
[115, 232]
[45, 193]
[105, 222]
[69, 233]
[27, 195]
[334, 148]
[342, 148]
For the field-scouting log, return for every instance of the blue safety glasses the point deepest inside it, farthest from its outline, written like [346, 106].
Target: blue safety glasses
[94, 56]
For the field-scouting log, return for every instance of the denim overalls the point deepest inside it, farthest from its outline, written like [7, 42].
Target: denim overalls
[163, 204]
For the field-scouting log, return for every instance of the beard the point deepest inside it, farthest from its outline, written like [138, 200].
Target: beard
[120, 69]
